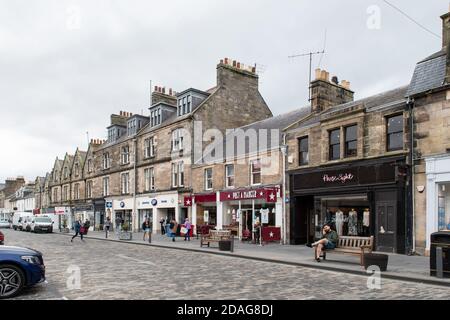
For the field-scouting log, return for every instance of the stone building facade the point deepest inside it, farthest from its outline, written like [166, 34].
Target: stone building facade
[348, 165]
[429, 96]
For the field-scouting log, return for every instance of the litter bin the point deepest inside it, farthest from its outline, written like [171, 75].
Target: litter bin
[225, 245]
[440, 254]
[376, 259]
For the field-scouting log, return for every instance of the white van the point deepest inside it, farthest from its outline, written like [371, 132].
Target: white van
[41, 223]
[19, 219]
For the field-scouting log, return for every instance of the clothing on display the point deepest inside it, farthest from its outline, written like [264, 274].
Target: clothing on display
[352, 223]
[366, 218]
[339, 222]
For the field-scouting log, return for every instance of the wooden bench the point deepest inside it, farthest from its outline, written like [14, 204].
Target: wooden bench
[215, 236]
[353, 245]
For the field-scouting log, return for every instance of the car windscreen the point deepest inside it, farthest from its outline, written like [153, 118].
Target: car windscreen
[43, 220]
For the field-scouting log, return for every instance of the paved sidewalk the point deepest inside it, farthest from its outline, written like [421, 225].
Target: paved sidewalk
[400, 267]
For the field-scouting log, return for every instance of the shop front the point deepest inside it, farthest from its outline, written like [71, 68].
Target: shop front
[66, 217]
[122, 212]
[84, 213]
[163, 206]
[437, 196]
[242, 209]
[203, 210]
[99, 213]
[364, 198]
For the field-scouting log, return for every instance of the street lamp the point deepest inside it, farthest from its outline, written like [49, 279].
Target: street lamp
[284, 150]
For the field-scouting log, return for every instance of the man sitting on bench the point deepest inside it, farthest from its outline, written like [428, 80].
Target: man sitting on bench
[329, 241]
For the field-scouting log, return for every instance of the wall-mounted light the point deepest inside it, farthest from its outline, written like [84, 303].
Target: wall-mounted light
[420, 189]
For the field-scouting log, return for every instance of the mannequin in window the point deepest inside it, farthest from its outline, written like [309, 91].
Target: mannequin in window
[352, 223]
[339, 222]
[366, 221]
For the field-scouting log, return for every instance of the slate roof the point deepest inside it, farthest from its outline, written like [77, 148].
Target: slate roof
[278, 123]
[429, 74]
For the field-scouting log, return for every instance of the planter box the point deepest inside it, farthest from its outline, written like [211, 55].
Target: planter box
[127, 236]
[225, 245]
[376, 259]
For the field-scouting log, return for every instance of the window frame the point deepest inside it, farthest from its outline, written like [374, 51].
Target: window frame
[208, 179]
[149, 177]
[347, 142]
[389, 134]
[253, 173]
[125, 155]
[89, 189]
[300, 152]
[331, 145]
[228, 176]
[125, 183]
[149, 148]
[106, 186]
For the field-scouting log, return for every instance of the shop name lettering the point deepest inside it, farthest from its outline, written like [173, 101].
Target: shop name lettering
[342, 178]
[245, 195]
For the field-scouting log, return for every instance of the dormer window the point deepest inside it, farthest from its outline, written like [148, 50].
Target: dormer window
[155, 117]
[184, 105]
[131, 128]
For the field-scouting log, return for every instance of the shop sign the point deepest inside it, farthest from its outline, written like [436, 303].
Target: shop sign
[109, 205]
[122, 204]
[154, 202]
[269, 194]
[342, 177]
[271, 234]
[188, 201]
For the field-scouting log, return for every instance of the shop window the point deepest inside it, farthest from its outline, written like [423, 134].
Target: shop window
[394, 133]
[444, 207]
[303, 147]
[335, 144]
[351, 141]
[208, 179]
[255, 172]
[229, 175]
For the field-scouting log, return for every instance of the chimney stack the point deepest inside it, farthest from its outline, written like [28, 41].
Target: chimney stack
[326, 94]
[446, 29]
[233, 71]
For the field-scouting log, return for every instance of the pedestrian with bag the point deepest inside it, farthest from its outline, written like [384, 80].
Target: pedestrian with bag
[79, 230]
[173, 229]
[187, 227]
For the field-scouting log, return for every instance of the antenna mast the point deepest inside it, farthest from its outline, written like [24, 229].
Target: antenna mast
[310, 54]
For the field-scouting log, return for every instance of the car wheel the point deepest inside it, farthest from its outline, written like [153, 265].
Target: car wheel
[15, 229]
[12, 281]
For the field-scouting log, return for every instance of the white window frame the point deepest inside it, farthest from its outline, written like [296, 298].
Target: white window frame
[76, 191]
[174, 175]
[252, 173]
[181, 174]
[89, 189]
[149, 147]
[206, 179]
[125, 155]
[106, 186]
[227, 175]
[125, 183]
[89, 164]
[149, 176]
[106, 161]
[177, 140]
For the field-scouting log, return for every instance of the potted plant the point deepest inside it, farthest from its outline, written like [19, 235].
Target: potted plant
[125, 234]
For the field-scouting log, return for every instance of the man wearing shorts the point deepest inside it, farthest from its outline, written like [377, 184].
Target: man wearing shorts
[328, 242]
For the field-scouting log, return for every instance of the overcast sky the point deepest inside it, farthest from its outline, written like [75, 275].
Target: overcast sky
[65, 66]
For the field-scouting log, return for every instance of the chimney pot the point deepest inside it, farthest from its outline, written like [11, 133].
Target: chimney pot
[170, 91]
[234, 63]
[221, 61]
[318, 73]
[164, 90]
[226, 60]
[156, 88]
[323, 75]
[335, 80]
[254, 69]
[238, 65]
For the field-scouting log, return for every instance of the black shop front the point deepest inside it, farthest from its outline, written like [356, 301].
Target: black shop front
[360, 198]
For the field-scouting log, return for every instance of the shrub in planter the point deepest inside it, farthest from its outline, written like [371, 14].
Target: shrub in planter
[125, 234]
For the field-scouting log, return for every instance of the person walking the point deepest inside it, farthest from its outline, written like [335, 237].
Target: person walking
[188, 227]
[107, 227]
[78, 230]
[146, 228]
[118, 222]
[173, 229]
[162, 222]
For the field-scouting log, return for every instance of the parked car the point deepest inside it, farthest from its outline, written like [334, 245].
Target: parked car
[4, 224]
[19, 219]
[19, 268]
[2, 238]
[41, 224]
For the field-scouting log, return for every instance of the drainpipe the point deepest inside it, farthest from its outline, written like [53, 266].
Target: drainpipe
[135, 182]
[410, 103]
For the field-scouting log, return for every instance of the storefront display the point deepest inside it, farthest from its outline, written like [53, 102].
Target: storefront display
[364, 198]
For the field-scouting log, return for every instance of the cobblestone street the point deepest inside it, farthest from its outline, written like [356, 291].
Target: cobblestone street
[111, 270]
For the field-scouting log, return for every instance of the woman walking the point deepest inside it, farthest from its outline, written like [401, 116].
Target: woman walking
[188, 226]
[146, 228]
[78, 230]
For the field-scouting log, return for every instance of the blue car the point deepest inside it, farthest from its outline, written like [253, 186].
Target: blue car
[19, 268]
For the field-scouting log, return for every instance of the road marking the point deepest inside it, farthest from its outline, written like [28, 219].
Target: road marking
[136, 260]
